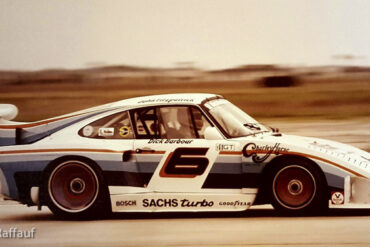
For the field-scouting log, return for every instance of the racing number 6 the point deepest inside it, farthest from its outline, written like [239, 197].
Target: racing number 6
[177, 165]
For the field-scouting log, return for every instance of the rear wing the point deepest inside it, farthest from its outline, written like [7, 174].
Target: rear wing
[17, 133]
[7, 112]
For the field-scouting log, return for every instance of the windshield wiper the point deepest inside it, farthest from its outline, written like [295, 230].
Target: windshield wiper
[252, 126]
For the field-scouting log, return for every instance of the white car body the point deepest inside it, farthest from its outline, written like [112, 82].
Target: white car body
[135, 169]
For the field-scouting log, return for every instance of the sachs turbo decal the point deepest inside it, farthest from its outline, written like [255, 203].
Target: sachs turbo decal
[178, 152]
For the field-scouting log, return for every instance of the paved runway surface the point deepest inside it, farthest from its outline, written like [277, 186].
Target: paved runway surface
[256, 227]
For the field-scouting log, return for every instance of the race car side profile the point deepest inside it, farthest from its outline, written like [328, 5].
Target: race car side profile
[174, 152]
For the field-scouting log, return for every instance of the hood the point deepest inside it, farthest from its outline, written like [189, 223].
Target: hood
[344, 156]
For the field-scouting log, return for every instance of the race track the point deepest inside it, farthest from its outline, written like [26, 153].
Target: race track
[256, 227]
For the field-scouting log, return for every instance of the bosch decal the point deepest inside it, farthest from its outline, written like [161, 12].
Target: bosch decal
[125, 203]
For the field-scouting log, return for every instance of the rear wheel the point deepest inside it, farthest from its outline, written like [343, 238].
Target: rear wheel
[75, 189]
[298, 187]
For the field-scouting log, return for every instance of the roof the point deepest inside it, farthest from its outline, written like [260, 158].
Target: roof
[160, 99]
[163, 99]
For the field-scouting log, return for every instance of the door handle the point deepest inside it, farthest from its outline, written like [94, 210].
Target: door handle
[146, 149]
[126, 156]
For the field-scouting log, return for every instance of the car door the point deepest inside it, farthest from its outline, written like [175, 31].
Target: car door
[171, 146]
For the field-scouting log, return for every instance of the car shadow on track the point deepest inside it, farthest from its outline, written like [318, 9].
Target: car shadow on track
[252, 213]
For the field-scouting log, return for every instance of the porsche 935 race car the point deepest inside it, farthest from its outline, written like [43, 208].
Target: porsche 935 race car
[175, 152]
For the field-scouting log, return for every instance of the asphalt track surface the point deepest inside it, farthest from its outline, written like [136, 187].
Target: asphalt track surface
[255, 227]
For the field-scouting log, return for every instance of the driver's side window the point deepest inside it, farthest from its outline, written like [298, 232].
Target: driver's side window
[146, 123]
[176, 122]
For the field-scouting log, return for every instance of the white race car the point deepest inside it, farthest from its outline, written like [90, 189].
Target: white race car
[175, 152]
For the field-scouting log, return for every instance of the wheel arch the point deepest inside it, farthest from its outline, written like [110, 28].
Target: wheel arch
[262, 197]
[52, 164]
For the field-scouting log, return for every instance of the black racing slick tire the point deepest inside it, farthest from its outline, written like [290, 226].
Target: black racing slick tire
[75, 188]
[297, 187]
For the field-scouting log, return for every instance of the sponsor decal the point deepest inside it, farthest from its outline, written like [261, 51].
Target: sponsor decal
[184, 203]
[225, 147]
[125, 203]
[169, 100]
[337, 197]
[124, 131]
[170, 141]
[106, 132]
[160, 203]
[204, 203]
[235, 203]
[365, 158]
[325, 146]
[252, 149]
[87, 130]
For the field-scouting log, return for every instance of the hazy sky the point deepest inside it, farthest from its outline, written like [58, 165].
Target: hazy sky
[37, 34]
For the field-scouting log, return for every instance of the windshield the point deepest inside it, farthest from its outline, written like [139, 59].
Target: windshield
[234, 121]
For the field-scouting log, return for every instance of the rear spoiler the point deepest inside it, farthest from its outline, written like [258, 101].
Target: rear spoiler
[17, 133]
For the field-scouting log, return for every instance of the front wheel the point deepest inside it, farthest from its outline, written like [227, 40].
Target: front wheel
[298, 187]
[75, 189]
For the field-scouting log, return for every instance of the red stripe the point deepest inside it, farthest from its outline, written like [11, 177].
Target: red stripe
[73, 150]
[299, 154]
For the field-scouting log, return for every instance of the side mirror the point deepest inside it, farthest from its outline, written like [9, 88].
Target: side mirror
[211, 133]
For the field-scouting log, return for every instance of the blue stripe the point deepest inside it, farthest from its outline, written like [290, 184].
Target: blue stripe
[7, 141]
[10, 168]
[334, 181]
[141, 167]
[236, 168]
